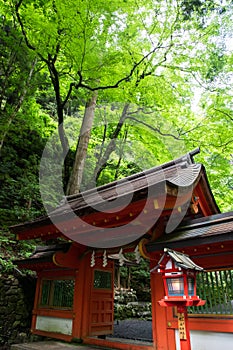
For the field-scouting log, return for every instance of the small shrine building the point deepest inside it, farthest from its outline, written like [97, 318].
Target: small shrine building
[167, 206]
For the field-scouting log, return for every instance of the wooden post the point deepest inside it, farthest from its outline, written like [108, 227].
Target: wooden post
[78, 303]
[36, 301]
[183, 327]
[118, 278]
[163, 337]
[86, 296]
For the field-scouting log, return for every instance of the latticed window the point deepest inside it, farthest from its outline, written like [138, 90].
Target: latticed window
[57, 293]
[216, 287]
[102, 279]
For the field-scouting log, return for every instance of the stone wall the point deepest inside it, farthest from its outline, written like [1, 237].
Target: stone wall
[127, 306]
[16, 303]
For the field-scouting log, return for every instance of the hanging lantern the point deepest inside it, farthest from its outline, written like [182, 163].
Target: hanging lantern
[179, 278]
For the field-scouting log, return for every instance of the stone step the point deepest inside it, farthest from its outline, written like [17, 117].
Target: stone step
[50, 345]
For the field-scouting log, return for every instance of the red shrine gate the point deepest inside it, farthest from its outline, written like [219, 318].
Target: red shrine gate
[84, 309]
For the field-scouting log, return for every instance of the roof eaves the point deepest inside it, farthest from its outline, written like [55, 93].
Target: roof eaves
[43, 254]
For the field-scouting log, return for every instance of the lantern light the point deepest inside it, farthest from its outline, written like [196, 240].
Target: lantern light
[175, 286]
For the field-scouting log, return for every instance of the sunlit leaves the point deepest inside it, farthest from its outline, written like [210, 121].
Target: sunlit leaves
[160, 52]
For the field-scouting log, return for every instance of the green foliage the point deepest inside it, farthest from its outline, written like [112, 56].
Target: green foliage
[10, 249]
[16, 75]
[21, 153]
[201, 8]
[154, 56]
[139, 278]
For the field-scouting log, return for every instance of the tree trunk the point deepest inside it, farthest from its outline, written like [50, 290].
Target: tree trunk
[121, 153]
[54, 75]
[81, 151]
[111, 146]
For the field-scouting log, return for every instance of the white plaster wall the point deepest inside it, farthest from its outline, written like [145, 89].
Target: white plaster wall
[54, 324]
[208, 340]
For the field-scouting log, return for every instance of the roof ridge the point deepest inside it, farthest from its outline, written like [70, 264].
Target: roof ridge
[186, 158]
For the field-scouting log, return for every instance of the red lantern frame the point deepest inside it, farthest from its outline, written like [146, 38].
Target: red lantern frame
[185, 279]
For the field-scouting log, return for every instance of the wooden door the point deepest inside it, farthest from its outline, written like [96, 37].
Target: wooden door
[102, 301]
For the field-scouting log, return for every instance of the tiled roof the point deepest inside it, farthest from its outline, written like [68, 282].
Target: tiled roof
[200, 231]
[176, 174]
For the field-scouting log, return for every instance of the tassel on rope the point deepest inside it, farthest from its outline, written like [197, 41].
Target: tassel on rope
[121, 257]
[93, 259]
[137, 255]
[105, 259]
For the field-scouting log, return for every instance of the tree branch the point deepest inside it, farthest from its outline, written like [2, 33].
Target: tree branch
[155, 129]
[124, 79]
[29, 45]
[225, 113]
[17, 6]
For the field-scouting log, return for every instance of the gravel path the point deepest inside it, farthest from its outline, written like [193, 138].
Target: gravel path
[133, 329]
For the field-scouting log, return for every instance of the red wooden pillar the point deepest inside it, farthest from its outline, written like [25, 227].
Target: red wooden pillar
[77, 305]
[163, 337]
[36, 300]
[85, 280]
